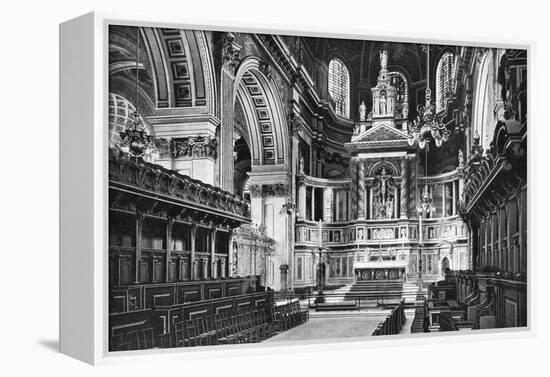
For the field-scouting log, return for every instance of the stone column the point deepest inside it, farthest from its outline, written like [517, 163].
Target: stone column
[213, 265]
[169, 226]
[404, 187]
[312, 203]
[395, 202]
[192, 259]
[327, 204]
[139, 231]
[371, 209]
[444, 201]
[230, 60]
[361, 192]
[454, 198]
[301, 198]
[354, 188]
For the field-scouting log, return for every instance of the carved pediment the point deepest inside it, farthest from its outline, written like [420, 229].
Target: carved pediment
[382, 132]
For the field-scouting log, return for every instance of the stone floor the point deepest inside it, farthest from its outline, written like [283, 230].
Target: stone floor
[331, 327]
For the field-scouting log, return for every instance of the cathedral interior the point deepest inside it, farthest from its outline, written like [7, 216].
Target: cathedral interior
[258, 180]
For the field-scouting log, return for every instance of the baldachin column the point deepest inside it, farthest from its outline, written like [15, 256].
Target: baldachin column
[361, 191]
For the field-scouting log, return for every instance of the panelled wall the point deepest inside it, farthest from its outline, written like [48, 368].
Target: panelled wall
[502, 236]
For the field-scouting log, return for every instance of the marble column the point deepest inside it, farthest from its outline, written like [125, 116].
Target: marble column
[313, 203]
[395, 202]
[353, 174]
[301, 198]
[371, 208]
[404, 187]
[454, 198]
[361, 192]
[444, 200]
[327, 204]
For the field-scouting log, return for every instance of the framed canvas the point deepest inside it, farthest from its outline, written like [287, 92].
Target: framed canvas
[225, 189]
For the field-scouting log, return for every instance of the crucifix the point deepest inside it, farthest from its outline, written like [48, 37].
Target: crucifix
[383, 178]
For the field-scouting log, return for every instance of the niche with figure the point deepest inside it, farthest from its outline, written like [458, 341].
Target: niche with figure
[383, 200]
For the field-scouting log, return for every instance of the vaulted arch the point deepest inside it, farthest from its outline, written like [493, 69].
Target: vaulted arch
[265, 117]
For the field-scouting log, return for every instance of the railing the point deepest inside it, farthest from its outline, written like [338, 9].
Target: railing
[393, 323]
[359, 299]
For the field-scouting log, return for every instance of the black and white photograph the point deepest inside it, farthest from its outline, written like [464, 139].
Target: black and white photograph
[267, 188]
[275, 189]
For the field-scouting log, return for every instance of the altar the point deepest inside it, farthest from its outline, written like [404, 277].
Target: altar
[380, 270]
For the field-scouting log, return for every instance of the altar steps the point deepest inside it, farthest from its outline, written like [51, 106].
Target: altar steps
[382, 292]
[374, 293]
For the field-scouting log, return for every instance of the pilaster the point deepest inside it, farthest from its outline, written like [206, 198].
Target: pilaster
[231, 59]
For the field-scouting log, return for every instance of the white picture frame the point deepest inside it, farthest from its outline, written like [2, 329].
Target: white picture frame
[83, 192]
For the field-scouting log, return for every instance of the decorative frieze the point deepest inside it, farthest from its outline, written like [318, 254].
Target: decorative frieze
[141, 175]
[195, 147]
[269, 190]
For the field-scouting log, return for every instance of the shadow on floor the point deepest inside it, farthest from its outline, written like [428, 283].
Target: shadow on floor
[52, 345]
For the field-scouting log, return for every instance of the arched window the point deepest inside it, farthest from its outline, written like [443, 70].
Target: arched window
[338, 86]
[399, 82]
[444, 80]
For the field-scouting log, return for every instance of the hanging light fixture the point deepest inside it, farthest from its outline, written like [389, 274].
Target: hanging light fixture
[425, 204]
[427, 124]
[135, 139]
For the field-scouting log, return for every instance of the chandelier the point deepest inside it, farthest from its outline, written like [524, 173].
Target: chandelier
[428, 124]
[135, 139]
[425, 205]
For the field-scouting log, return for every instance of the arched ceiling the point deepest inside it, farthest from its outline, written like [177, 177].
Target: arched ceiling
[175, 67]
